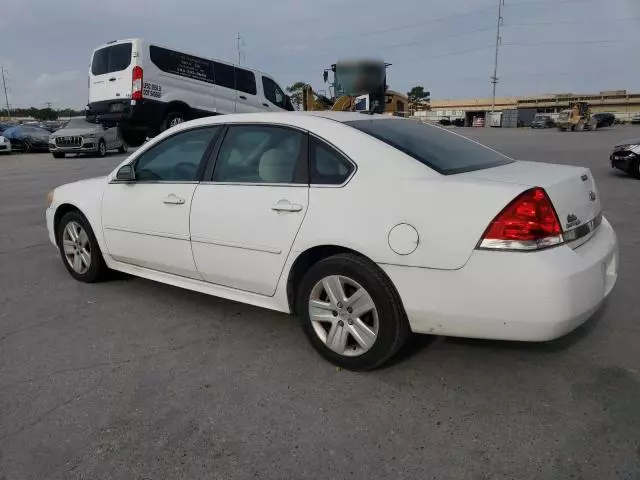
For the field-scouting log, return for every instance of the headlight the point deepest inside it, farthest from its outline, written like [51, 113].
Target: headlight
[50, 198]
[89, 135]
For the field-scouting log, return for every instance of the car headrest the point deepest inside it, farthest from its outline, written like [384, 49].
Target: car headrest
[277, 166]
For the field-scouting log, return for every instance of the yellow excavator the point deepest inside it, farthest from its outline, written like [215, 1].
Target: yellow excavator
[358, 86]
[577, 118]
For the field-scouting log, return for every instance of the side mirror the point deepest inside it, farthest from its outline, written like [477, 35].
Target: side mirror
[125, 174]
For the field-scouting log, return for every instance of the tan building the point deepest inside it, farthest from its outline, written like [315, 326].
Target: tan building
[620, 102]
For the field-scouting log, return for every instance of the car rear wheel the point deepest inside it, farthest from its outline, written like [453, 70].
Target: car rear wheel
[79, 249]
[351, 312]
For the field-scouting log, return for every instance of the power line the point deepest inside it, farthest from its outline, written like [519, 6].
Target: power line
[569, 42]
[570, 22]
[400, 27]
[436, 38]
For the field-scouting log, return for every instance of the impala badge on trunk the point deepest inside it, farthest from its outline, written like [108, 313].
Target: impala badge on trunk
[592, 196]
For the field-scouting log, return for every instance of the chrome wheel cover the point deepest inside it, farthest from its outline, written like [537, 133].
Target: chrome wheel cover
[76, 247]
[343, 315]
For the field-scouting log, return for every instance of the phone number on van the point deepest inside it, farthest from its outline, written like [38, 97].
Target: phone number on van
[152, 90]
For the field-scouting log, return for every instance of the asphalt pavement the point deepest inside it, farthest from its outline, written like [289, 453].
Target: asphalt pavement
[131, 379]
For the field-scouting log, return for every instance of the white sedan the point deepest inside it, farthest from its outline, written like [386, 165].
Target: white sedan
[367, 227]
[5, 145]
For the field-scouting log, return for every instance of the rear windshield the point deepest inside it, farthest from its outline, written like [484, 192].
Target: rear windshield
[435, 147]
[111, 59]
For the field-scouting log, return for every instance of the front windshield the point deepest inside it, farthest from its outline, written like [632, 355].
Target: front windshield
[79, 123]
[359, 78]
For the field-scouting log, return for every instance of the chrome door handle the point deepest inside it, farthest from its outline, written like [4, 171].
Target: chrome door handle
[284, 206]
[173, 200]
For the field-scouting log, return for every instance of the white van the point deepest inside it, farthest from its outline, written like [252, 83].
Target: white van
[146, 88]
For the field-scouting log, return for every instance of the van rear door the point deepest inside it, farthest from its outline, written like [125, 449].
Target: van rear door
[110, 73]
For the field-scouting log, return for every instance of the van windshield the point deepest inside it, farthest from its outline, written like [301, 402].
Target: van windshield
[435, 147]
[111, 59]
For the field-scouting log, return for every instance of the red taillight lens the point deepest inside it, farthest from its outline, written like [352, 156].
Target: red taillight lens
[136, 83]
[529, 222]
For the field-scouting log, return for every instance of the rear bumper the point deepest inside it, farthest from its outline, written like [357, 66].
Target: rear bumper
[534, 296]
[143, 114]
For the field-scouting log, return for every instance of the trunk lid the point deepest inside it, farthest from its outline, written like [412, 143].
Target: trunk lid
[110, 72]
[572, 190]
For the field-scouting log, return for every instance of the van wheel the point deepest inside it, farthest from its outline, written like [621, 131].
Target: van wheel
[133, 138]
[173, 118]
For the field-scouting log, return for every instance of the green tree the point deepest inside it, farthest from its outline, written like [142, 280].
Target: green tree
[45, 114]
[418, 95]
[295, 92]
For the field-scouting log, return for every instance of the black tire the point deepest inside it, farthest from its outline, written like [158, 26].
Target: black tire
[393, 326]
[133, 138]
[57, 155]
[26, 146]
[173, 117]
[97, 270]
[634, 169]
[102, 149]
[122, 149]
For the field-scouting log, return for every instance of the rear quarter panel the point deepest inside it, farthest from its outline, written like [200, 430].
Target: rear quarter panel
[450, 213]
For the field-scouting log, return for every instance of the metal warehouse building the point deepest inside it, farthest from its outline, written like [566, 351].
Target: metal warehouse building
[619, 102]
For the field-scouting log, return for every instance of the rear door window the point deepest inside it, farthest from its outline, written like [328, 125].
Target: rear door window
[114, 58]
[435, 147]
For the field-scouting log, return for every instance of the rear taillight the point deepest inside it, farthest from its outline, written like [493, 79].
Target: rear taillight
[529, 222]
[136, 83]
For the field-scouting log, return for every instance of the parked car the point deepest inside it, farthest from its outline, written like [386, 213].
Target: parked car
[147, 88]
[4, 126]
[284, 211]
[603, 119]
[543, 121]
[81, 136]
[635, 120]
[28, 138]
[626, 157]
[5, 144]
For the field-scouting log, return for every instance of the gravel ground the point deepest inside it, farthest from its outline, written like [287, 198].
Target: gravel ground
[131, 379]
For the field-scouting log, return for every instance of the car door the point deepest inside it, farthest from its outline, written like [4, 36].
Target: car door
[247, 99]
[146, 221]
[275, 99]
[225, 89]
[245, 220]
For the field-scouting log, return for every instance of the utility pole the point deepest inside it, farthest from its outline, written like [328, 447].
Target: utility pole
[6, 97]
[494, 78]
[240, 45]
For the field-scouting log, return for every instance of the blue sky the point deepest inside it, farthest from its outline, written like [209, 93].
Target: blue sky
[446, 45]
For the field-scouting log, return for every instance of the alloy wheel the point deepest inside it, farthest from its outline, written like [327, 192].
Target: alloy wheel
[77, 248]
[176, 121]
[343, 315]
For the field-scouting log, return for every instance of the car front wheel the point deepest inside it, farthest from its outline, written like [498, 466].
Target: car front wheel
[351, 312]
[79, 249]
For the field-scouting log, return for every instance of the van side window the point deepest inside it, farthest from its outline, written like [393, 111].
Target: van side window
[224, 75]
[181, 64]
[273, 92]
[246, 81]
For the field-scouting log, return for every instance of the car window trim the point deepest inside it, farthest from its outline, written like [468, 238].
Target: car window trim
[301, 169]
[331, 146]
[201, 167]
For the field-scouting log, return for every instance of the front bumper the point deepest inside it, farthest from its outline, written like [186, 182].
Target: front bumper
[5, 147]
[49, 215]
[90, 146]
[623, 160]
[535, 296]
